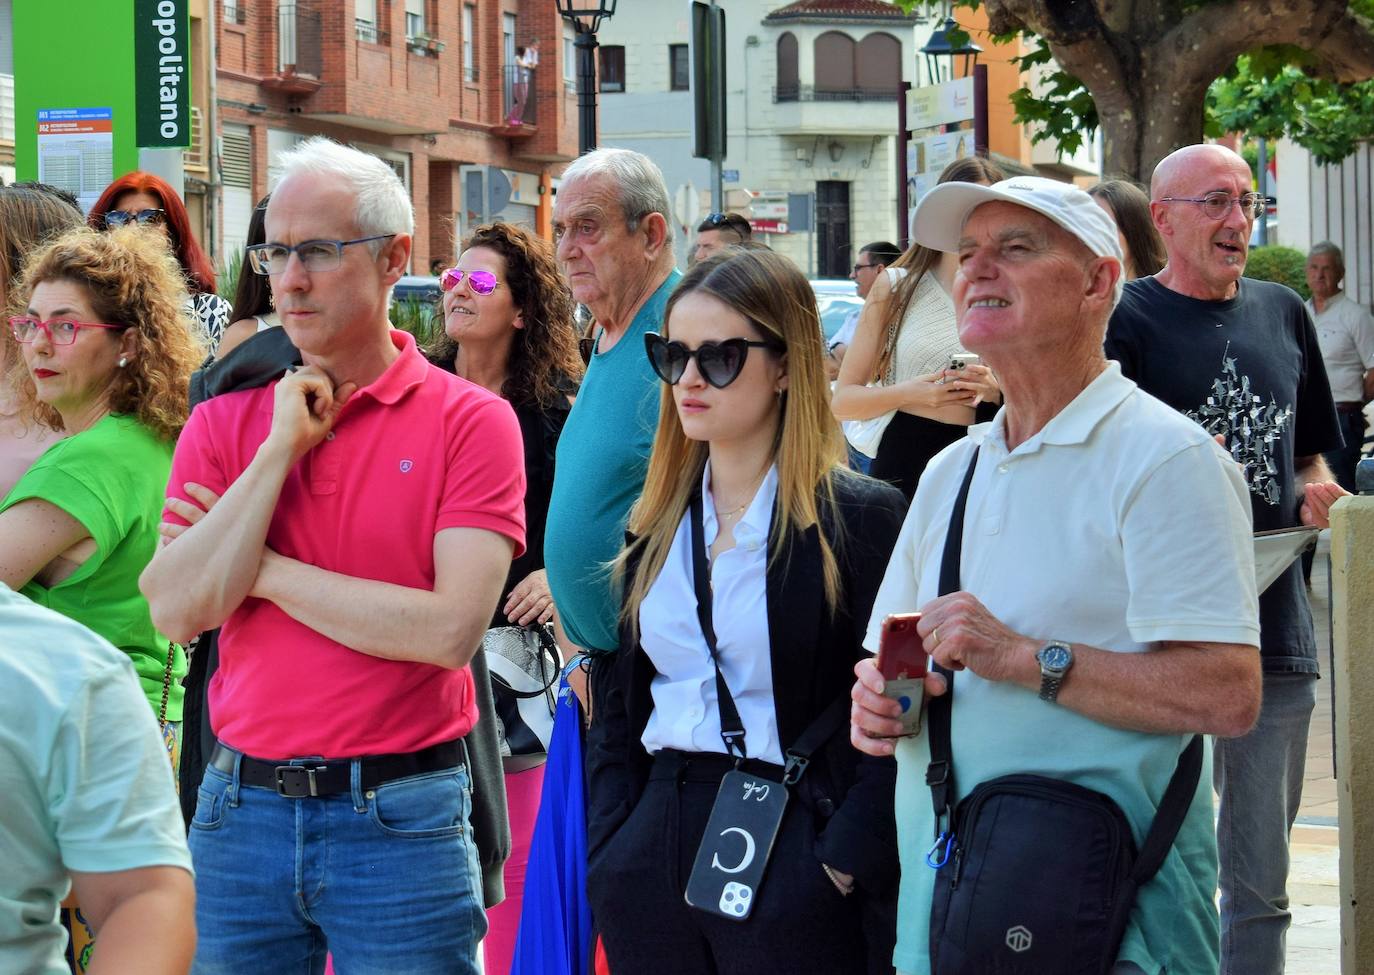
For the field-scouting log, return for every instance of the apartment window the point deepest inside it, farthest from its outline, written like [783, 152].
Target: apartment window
[235, 11]
[469, 58]
[415, 18]
[679, 71]
[612, 58]
[569, 59]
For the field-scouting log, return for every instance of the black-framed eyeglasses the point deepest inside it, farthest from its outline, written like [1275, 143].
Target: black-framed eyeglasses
[720, 363]
[1217, 204]
[315, 255]
[864, 267]
[118, 218]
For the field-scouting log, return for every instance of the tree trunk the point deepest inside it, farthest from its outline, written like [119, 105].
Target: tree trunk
[1143, 124]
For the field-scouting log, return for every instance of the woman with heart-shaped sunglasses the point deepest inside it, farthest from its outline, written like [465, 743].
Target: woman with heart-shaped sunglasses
[748, 507]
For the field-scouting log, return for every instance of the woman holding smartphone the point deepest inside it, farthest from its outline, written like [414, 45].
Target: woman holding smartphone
[749, 460]
[902, 352]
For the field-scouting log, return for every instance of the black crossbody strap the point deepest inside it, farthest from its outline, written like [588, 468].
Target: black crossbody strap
[817, 733]
[731, 727]
[940, 772]
[1173, 807]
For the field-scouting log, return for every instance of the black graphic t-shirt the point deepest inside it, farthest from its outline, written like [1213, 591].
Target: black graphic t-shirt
[1250, 369]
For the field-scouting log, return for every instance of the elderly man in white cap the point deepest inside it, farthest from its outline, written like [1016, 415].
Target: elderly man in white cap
[1097, 611]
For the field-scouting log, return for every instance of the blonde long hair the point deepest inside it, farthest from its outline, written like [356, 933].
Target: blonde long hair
[809, 451]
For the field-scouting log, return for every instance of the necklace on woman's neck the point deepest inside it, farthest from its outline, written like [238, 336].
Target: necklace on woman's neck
[736, 512]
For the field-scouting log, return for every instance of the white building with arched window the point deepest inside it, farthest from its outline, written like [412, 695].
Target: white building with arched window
[812, 89]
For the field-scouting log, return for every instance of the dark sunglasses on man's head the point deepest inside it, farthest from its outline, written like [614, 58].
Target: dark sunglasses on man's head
[719, 363]
[481, 282]
[732, 220]
[118, 218]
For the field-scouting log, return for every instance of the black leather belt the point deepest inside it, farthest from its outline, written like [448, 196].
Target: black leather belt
[327, 777]
[1349, 407]
[669, 763]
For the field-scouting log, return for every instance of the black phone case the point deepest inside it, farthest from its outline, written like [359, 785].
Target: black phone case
[736, 846]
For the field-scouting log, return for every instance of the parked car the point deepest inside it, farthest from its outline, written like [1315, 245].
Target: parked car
[416, 287]
[836, 299]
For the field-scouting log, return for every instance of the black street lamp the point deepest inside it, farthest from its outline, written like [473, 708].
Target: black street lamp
[586, 17]
[940, 51]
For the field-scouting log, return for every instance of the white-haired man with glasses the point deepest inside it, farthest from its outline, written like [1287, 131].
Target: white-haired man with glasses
[368, 508]
[1241, 357]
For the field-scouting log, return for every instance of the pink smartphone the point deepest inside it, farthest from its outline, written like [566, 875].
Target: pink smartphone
[902, 661]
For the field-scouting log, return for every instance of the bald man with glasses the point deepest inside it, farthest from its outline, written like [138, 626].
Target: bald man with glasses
[1241, 357]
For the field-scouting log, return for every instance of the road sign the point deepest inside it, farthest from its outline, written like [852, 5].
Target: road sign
[770, 205]
[730, 175]
[942, 104]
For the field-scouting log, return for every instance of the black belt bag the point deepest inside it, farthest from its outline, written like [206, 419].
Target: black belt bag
[1033, 874]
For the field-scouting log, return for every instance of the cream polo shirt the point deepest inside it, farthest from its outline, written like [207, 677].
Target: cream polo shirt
[1119, 524]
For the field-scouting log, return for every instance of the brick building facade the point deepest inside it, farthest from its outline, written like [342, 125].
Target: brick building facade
[430, 86]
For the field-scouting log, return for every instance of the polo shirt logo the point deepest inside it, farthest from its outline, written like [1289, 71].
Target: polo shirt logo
[407, 466]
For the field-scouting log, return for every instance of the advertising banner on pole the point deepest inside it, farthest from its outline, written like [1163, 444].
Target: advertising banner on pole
[162, 74]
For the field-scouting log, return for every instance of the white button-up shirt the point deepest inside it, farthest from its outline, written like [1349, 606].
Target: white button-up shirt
[1345, 332]
[686, 713]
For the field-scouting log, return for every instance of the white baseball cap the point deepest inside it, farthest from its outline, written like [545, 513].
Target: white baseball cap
[939, 220]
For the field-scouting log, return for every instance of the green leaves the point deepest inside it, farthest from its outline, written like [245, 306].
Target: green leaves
[1267, 94]
[1270, 92]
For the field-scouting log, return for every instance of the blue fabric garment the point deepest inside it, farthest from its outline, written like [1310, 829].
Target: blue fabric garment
[602, 457]
[384, 879]
[555, 935]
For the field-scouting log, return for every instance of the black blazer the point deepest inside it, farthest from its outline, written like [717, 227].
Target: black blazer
[813, 654]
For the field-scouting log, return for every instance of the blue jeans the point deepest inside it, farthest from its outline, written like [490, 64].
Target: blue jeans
[1259, 778]
[385, 879]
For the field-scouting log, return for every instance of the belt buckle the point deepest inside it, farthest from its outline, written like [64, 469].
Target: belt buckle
[297, 781]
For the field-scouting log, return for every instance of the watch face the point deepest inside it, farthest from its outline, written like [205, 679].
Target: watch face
[1055, 657]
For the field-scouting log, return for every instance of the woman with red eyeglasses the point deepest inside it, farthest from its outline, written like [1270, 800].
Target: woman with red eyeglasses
[102, 351]
[508, 327]
[146, 200]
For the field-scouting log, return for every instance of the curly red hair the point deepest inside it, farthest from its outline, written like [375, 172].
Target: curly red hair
[200, 273]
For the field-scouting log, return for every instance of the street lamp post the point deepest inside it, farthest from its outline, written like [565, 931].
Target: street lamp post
[940, 51]
[586, 17]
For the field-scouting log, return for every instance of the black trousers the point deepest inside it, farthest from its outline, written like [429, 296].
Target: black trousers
[800, 922]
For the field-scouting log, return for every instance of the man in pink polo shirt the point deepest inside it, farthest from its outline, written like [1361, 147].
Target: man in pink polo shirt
[370, 506]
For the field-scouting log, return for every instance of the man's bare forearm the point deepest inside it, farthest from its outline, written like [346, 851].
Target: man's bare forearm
[196, 581]
[1211, 688]
[381, 619]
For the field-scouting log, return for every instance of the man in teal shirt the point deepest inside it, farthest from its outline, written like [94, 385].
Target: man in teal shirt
[615, 244]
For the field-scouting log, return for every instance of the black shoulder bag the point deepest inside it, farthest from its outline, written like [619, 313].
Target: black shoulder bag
[748, 810]
[1034, 874]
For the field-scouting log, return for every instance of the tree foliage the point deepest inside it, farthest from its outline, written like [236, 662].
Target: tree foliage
[1219, 65]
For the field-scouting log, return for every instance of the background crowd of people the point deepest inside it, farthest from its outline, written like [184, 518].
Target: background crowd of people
[342, 527]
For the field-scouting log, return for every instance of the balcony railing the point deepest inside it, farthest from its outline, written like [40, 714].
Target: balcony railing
[809, 93]
[193, 157]
[298, 39]
[518, 95]
[236, 11]
[367, 31]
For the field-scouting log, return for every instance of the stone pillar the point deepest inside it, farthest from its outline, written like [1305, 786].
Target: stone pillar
[1352, 587]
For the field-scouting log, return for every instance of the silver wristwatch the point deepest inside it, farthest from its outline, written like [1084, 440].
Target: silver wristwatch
[1055, 659]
